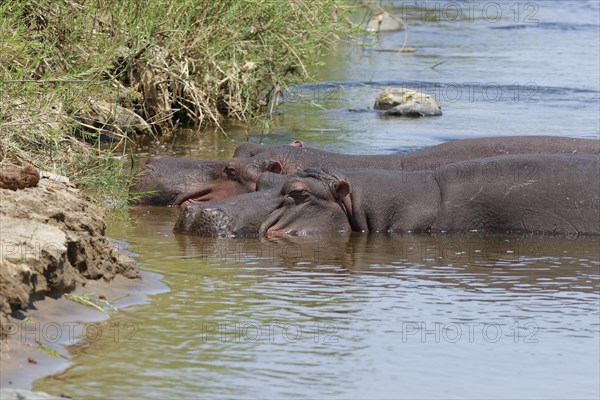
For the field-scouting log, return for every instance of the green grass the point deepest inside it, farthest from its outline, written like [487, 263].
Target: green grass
[173, 62]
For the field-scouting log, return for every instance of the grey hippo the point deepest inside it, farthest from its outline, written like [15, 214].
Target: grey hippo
[527, 193]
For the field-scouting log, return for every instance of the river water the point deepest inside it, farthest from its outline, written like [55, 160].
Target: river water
[451, 316]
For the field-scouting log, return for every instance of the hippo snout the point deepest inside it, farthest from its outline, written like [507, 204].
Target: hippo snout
[200, 219]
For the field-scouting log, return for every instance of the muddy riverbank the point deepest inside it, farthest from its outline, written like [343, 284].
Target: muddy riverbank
[53, 242]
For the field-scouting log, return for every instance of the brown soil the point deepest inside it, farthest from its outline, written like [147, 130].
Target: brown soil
[13, 177]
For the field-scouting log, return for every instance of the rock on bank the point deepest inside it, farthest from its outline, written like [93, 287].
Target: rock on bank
[51, 238]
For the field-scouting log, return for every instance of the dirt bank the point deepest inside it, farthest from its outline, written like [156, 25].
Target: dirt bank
[51, 241]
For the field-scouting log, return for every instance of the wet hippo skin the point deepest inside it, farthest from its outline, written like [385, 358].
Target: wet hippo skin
[250, 149]
[545, 194]
[165, 178]
[239, 216]
[288, 159]
[552, 194]
[182, 182]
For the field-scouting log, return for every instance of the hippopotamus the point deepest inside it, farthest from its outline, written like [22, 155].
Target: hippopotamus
[286, 160]
[249, 149]
[238, 216]
[179, 180]
[240, 174]
[526, 193]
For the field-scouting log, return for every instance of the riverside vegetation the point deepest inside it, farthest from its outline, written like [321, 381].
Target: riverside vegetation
[75, 72]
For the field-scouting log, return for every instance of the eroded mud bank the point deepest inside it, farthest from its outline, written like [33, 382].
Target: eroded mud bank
[52, 242]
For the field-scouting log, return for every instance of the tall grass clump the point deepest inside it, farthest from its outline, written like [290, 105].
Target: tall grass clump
[76, 71]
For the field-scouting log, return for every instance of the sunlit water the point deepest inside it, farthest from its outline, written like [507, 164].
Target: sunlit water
[376, 316]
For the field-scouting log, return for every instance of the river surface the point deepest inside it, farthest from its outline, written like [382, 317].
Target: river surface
[450, 316]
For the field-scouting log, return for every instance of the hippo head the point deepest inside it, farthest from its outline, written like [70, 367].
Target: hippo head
[313, 202]
[241, 174]
[175, 181]
[239, 216]
[232, 179]
[166, 180]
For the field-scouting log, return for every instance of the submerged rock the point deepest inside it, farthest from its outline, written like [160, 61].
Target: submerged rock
[407, 102]
[385, 22]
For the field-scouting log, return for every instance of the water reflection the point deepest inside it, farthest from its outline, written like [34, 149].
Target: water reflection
[472, 262]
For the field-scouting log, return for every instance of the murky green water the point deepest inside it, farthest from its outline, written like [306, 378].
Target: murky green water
[376, 316]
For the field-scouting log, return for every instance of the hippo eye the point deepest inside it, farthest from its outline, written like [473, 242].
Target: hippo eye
[299, 195]
[231, 172]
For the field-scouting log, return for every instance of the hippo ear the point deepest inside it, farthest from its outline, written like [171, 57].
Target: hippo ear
[297, 143]
[275, 167]
[340, 190]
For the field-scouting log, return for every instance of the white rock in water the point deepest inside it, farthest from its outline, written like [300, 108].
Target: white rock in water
[407, 102]
[384, 22]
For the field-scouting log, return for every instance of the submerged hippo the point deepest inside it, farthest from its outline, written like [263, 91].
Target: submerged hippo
[286, 160]
[249, 149]
[240, 174]
[544, 193]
